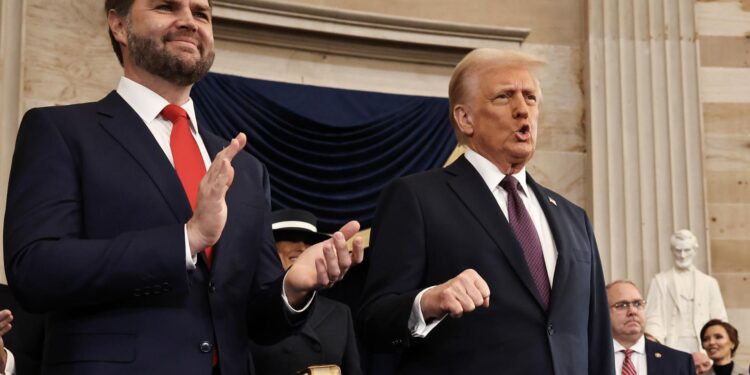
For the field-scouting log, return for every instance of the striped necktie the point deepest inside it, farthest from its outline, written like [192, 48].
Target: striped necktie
[627, 365]
[527, 236]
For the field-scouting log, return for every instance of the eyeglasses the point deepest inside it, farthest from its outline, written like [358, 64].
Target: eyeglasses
[639, 304]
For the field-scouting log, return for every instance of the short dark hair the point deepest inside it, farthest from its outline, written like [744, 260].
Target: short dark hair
[734, 336]
[122, 8]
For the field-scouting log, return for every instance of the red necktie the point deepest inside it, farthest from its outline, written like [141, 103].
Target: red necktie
[190, 168]
[526, 234]
[627, 365]
[188, 161]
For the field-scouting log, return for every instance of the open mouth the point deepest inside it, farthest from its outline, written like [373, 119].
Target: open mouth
[524, 133]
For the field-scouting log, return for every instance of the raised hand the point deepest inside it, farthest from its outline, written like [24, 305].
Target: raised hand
[323, 264]
[5, 318]
[210, 215]
[459, 295]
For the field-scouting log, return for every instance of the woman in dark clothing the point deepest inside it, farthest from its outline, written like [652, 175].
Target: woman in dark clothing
[720, 341]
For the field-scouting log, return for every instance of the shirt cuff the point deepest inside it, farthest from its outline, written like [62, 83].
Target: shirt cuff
[10, 363]
[190, 260]
[417, 325]
[286, 300]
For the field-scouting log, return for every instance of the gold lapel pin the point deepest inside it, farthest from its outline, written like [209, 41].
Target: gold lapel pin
[657, 355]
[552, 201]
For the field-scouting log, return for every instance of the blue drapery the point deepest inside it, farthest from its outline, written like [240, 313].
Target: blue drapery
[328, 151]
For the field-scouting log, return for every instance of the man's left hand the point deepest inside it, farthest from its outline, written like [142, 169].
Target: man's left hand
[323, 264]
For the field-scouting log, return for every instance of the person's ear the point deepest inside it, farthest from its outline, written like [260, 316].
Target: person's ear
[463, 120]
[118, 27]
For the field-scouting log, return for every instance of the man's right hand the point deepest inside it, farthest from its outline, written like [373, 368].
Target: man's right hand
[210, 216]
[5, 318]
[459, 295]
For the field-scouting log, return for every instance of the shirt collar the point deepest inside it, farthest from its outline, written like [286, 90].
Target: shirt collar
[639, 347]
[490, 173]
[148, 104]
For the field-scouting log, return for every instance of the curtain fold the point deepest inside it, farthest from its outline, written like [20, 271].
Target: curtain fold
[328, 151]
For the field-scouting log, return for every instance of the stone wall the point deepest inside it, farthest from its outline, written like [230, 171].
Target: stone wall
[724, 39]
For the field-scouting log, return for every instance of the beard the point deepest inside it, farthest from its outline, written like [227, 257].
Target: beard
[153, 57]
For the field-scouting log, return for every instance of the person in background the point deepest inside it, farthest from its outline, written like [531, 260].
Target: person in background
[720, 341]
[327, 337]
[702, 363]
[633, 353]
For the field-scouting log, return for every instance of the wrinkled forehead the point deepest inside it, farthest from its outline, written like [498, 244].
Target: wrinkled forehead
[510, 75]
[623, 292]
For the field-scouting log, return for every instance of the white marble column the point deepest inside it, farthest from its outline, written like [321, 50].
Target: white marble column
[643, 134]
[11, 26]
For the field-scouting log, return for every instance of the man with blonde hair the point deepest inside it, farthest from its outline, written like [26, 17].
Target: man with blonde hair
[682, 299]
[476, 268]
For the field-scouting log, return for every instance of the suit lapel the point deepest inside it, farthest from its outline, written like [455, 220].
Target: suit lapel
[472, 191]
[564, 258]
[321, 312]
[653, 359]
[123, 124]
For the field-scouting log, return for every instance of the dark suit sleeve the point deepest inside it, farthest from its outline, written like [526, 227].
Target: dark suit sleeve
[601, 353]
[50, 261]
[269, 319]
[351, 362]
[396, 270]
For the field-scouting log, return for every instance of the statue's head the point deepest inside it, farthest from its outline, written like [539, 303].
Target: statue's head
[684, 245]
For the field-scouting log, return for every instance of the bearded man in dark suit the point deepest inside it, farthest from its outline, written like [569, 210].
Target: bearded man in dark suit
[146, 238]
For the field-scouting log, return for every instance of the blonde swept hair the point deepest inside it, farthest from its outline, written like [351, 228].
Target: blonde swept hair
[463, 81]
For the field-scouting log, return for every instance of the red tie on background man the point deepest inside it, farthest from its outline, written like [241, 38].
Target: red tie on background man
[190, 168]
[627, 364]
[188, 161]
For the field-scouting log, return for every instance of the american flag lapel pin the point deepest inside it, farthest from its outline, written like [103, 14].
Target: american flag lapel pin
[552, 201]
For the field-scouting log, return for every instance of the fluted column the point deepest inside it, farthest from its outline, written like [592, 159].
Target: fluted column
[643, 134]
[11, 16]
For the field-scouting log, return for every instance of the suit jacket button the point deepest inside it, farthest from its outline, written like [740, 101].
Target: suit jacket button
[205, 347]
[550, 330]
[211, 287]
[396, 342]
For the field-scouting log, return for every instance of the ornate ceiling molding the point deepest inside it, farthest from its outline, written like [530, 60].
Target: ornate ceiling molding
[352, 33]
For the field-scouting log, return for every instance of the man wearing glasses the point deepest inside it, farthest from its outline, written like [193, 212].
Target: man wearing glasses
[634, 355]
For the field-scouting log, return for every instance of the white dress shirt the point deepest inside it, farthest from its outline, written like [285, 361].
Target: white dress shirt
[148, 105]
[492, 177]
[10, 364]
[638, 357]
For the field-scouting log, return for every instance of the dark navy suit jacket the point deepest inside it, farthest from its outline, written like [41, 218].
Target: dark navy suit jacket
[26, 338]
[327, 338]
[663, 360]
[94, 236]
[430, 227]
